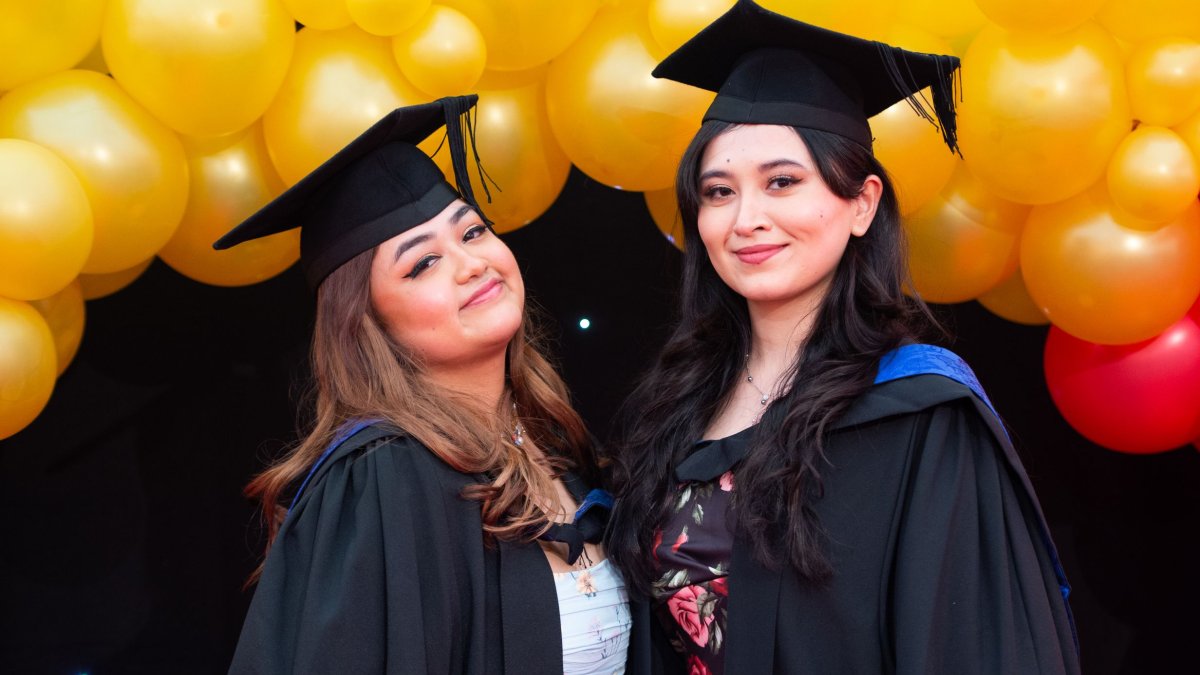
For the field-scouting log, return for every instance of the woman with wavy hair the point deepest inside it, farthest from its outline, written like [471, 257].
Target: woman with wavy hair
[439, 516]
[802, 486]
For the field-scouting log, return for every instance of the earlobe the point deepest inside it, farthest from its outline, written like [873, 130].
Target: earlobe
[865, 205]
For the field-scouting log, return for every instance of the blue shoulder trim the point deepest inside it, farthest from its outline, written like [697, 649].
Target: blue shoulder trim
[344, 433]
[919, 359]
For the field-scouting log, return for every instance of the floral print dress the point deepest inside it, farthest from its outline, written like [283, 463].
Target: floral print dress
[692, 552]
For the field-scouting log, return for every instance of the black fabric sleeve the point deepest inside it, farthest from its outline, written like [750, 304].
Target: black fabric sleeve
[973, 587]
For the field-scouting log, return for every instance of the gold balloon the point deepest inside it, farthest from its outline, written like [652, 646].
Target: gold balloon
[1137, 20]
[517, 149]
[1189, 131]
[1039, 16]
[45, 221]
[963, 242]
[40, 38]
[232, 177]
[664, 211]
[319, 14]
[95, 286]
[1102, 281]
[27, 365]
[1163, 75]
[618, 124]
[442, 54]
[65, 314]
[386, 17]
[340, 82]
[674, 22]
[131, 166]
[869, 19]
[908, 146]
[1041, 115]
[1153, 175]
[1010, 300]
[203, 67]
[521, 34]
[947, 19]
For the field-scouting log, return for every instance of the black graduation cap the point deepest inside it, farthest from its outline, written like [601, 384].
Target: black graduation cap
[373, 189]
[770, 69]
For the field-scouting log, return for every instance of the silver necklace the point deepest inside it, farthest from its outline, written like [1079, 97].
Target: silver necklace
[518, 432]
[750, 378]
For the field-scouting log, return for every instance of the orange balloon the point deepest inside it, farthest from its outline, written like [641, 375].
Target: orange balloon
[1137, 20]
[65, 314]
[95, 286]
[664, 211]
[908, 146]
[674, 22]
[1189, 131]
[340, 83]
[521, 34]
[131, 166]
[41, 38]
[1153, 175]
[232, 177]
[618, 124]
[45, 221]
[1010, 300]
[869, 19]
[517, 149]
[1039, 16]
[963, 242]
[947, 19]
[319, 14]
[1104, 282]
[204, 67]
[1041, 115]
[1164, 80]
[442, 54]
[27, 365]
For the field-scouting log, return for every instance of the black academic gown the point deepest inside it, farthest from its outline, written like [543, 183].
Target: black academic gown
[381, 567]
[942, 560]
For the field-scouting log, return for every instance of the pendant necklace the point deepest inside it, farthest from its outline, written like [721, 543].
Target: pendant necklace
[518, 432]
[750, 378]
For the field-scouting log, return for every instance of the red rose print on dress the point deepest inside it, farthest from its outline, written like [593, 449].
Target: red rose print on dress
[685, 608]
[696, 666]
[726, 481]
[680, 540]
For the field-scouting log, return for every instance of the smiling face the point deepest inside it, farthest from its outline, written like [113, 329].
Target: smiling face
[773, 229]
[449, 290]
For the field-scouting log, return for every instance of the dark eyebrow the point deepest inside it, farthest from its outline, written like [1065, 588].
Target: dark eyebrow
[458, 215]
[406, 245]
[713, 173]
[775, 164]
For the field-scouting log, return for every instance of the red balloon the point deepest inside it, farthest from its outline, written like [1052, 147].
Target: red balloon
[1138, 398]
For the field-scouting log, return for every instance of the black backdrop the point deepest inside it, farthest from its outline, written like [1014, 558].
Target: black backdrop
[124, 538]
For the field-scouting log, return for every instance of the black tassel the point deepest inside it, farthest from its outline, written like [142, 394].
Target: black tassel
[945, 90]
[456, 107]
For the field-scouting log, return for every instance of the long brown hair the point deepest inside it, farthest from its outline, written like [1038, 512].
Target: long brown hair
[360, 372]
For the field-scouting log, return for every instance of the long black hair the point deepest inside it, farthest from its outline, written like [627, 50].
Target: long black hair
[866, 313]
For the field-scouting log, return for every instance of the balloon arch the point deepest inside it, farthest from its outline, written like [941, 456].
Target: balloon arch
[131, 129]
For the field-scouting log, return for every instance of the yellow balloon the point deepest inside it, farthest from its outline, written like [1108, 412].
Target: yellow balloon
[340, 82]
[1153, 175]
[869, 19]
[40, 38]
[386, 17]
[203, 67]
[94, 61]
[45, 221]
[517, 149]
[521, 34]
[1039, 16]
[319, 14]
[1163, 75]
[1102, 281]
[65, 314]
[947, 19]
[908, 146]
[1137, 20]
[1041, 115]
[618, 124]
[443, 54]
[232, 177]
[963, 242]
[1010, 300]
[27, 365]
[95, 286]
[674, 22]
[131, 166]
[664, 211]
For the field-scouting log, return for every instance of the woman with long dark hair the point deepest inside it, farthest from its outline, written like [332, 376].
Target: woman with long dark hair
[437, 518]
[803, 486]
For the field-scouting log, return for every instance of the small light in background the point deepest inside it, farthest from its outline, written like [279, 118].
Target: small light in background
[585, 323]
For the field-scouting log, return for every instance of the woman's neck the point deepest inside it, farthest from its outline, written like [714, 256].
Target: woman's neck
[777, 334]
[481, 381]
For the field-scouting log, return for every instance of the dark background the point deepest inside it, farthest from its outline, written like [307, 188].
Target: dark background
[124, 538]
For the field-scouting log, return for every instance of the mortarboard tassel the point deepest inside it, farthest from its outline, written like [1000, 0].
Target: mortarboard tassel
[945, 90]
[456, 108]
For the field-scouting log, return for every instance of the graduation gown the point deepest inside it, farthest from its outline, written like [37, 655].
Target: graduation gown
[381, 567]
[942, 559]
